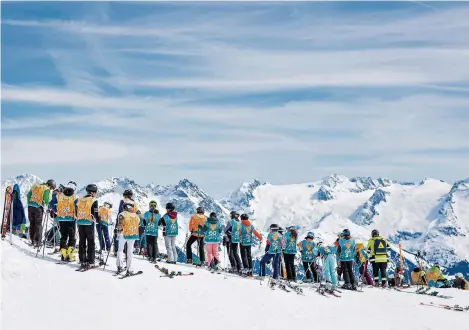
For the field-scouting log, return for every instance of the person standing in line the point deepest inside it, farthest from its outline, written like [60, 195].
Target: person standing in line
[212, 232]
[102, 227]
[169, 221]
[247, 229]
[289, 253]
[309, 253]
[197, 235]
[378, 248]
[64, 210]
[87, 215]
[38, 197]
[346, 252]
[273, 249]
[233, 230]
[152, 216]
[127, 228]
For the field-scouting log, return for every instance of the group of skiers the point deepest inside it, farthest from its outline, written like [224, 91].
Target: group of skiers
[135, 231]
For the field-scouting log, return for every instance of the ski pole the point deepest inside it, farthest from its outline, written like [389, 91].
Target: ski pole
[44, 240]
[12, 208]
[113, 238]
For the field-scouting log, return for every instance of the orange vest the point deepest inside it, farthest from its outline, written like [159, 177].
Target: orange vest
[37, 192]
[104, 214]
[65, 206]
[84, 208]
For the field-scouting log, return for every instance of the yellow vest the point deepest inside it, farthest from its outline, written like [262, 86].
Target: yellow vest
[104, 214]
[417, 277]
[37, 192]
[84, 208]
[65, 206]
[128, 223]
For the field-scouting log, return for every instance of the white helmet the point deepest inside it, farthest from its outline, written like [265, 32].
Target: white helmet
[71, 185]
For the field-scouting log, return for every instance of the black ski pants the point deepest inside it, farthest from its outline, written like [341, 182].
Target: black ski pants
[246, 256]
[86, 244]
[347, 269]
[35, 215]
[152, 247]
[200, 242]
[290, 266]
[234, 257]
[67, 234]
[310, 270]
[377, 268]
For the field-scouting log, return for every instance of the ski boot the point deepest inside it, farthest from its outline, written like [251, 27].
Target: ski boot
[71, 254]
[119, 270]
[63, 254]
[353, 287]
[189, 261]
[250, 272]
[346, 287]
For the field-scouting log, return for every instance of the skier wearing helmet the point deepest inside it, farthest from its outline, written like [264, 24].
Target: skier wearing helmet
[64, 208]
[247, 230]
[378, 249]
[346, 252]
[233, 231]
[38, 198]
[87, 215]
[127, 228]
[152, 216]
[104, 213]
[127, 198]
[309, 252]
[197, 235]
[273, 250]
[169, 221]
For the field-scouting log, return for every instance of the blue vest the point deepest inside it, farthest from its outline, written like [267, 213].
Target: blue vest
[246, 234]
[235, 231]
[347, 247]
[152, 228]
[274, 238]
[171, 228]
[212, 232]
[327, 250]
[309, 251]
[290, 246]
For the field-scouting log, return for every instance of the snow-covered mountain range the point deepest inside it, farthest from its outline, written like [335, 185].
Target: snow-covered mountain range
[430, 216]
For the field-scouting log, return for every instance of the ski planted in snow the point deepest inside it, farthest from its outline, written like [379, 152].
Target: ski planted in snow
[6, 210]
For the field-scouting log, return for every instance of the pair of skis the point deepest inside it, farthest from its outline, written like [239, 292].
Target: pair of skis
[171, 274]
[456, 308]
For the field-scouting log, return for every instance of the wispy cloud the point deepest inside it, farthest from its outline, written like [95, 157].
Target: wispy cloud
[254, 82]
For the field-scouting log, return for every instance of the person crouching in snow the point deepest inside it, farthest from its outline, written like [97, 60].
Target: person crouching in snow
[169, 221]
[152, 217]
[127, 231]
[328, 255]
[273, 250]
[309, 252]
[212, 232]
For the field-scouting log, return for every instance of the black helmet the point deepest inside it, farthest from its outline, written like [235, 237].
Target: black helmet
[346, 232]
[234, 214]
[374, 233]
[108, 204]
[200, 209]
[91, 188]
[213, 215]
[128, 193]
[170, 206]
[128, 207]
[51, 183]
[244, 216]
[60, 188]
[274, 227]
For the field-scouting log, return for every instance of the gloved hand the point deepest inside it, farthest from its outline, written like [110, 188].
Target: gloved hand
[266, 248]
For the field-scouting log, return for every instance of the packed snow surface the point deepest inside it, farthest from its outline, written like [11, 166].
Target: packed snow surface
[41, 295]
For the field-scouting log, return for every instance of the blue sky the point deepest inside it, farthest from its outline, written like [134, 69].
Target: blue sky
[222, 93]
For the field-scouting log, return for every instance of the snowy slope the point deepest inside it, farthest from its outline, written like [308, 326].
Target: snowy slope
[39, 294]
